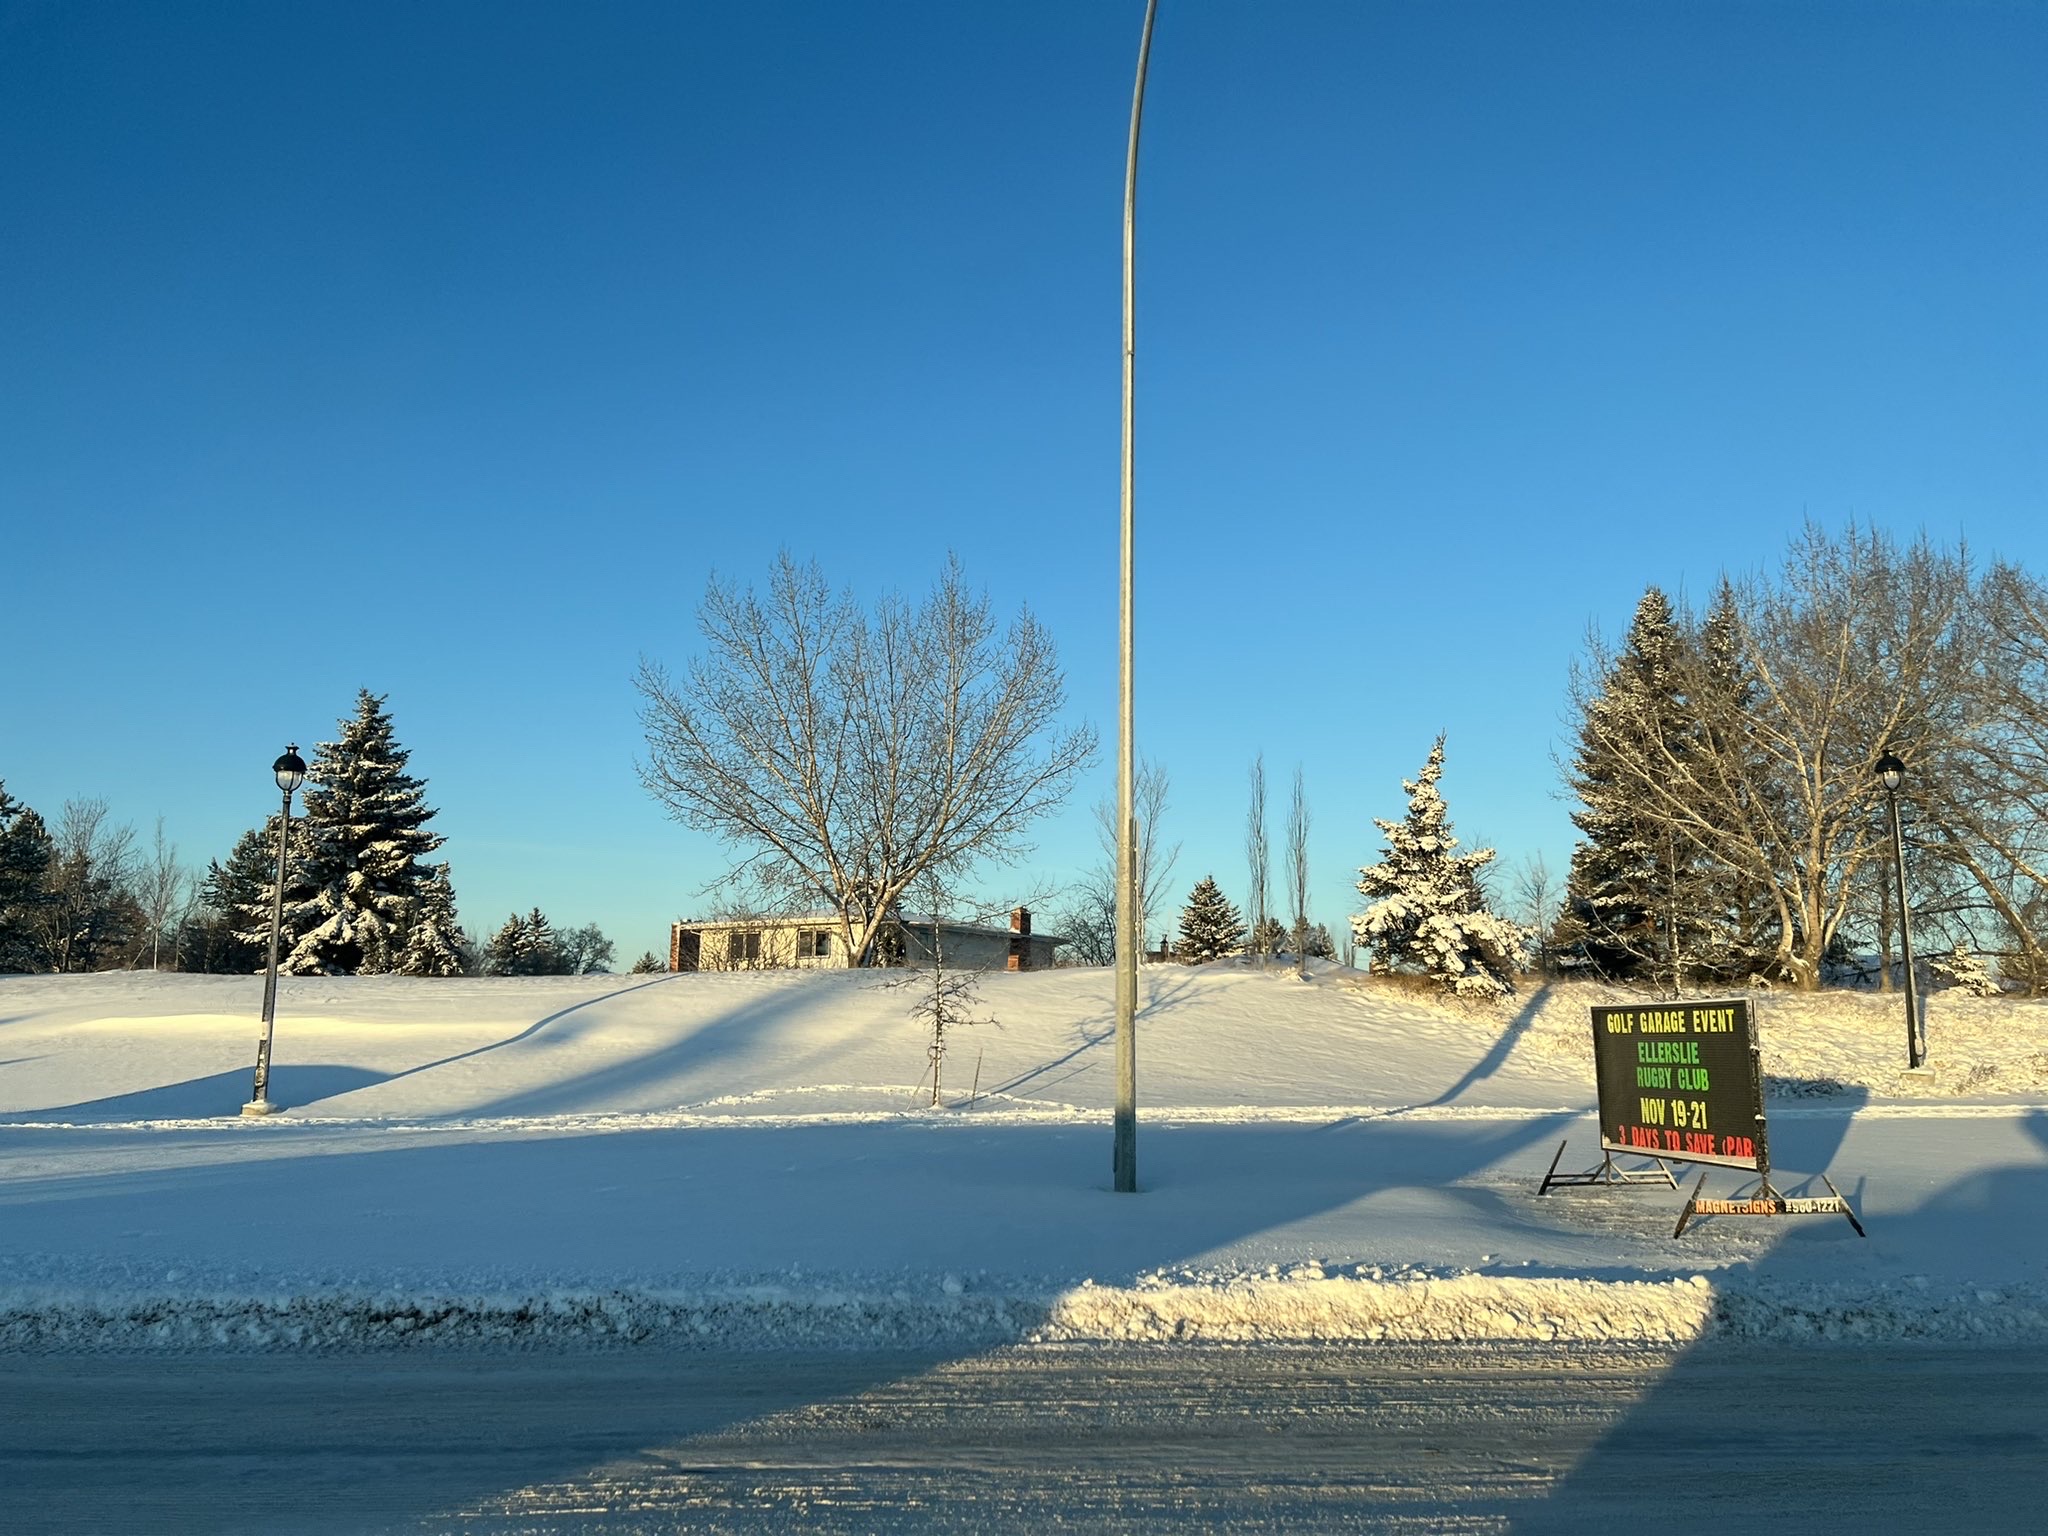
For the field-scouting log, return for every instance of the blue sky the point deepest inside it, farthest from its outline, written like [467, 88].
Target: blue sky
[446, 349]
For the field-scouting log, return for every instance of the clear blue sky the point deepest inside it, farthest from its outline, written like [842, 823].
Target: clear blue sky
[445, 349]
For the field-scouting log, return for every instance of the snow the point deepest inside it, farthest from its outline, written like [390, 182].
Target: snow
[742, 1160]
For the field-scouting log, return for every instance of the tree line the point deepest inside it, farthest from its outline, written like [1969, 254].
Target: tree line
[1731, 824]
[361, 895]
[1732, 821]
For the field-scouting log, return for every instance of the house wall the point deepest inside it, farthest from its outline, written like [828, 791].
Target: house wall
[730, 947]
[962, 951]
[724, 947]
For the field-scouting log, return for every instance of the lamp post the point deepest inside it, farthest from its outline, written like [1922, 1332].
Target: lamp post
[1891, 773]
[291, 773]
[1124, 1148]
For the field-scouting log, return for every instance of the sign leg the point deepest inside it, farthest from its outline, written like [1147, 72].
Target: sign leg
[1685, 1215]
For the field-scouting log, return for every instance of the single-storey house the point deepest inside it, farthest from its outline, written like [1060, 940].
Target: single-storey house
[812, 940]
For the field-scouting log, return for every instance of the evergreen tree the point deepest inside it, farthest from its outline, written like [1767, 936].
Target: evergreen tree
[1427, 909]
[1739, 917]
[434, 941]
[1636, 897]
[234, 904]
[539, 951]
[526, 946]
[648, 965]
[1209, 925]
[366, 818]
[503, 949]
[1964, 969]
[26, 855]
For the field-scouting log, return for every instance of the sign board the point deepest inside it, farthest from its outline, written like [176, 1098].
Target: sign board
[1680, 1080]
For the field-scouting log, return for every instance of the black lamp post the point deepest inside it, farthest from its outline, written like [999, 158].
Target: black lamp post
[291, 773]
[1891, 773]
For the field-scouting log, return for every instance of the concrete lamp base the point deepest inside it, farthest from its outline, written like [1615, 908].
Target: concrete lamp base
[256, 1109]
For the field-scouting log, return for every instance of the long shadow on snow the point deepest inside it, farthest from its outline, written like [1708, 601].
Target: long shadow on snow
[530, 1031]
[656, 1208]
[1842, 1436]
[1498, 1053]
[727, 1035]
[292, 1085]
[1094, 1032]
[220, 1095]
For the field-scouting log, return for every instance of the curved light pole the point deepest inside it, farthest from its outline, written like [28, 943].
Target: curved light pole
[1891, 773]
[291, 773]
[1124, 1156]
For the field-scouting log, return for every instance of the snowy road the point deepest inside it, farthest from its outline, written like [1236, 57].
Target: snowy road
[1447, 1439]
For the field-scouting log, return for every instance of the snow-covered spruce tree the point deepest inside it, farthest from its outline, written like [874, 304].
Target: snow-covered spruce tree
[1427, 909]
[434, 941]
[502, 949]
[1210, 927]
[1738, 922]
[366, 821]
[1963, 969]
[539, 951]
[1635, 899]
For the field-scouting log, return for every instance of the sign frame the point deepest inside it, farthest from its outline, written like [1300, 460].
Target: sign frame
[1682, 1050]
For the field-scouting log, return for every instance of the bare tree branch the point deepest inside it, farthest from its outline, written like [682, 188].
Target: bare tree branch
[844, 756]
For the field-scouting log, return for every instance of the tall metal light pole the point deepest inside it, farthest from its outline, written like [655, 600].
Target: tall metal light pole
[1129, 915]
[291, 773]
[1891, 773]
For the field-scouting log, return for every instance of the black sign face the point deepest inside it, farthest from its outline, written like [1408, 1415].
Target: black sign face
[1679, 1080]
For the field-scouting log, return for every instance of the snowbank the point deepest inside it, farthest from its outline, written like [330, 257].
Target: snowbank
[947, 1313]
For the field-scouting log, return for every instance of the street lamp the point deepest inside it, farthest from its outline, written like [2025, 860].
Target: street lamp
[1891, 773]
[291, 773]
[1129, 915]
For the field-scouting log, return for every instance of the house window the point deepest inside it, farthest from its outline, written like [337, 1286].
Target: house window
[743, 948]
[814, 944]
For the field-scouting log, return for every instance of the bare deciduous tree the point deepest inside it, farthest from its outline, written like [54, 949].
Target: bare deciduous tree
[845, 755]
[166, 892]
[1537, 895]
[1149, 791]
[1086, 918]
[944, 995]
[91, 915]
[1297, 870]
[1856, 648]
[1258, 862]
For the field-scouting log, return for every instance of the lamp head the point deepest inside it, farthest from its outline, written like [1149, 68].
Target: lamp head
[290, 769]
[1891, 773]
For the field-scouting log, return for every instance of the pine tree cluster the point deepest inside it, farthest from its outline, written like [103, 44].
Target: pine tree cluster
[531, 945]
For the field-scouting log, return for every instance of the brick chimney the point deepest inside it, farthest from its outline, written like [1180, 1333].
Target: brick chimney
[1020, 934]
[1020, 920]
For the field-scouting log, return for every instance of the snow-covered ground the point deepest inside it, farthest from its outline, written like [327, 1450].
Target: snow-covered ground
[746, 1159]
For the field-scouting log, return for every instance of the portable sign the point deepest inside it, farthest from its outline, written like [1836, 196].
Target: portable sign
[1680, 1081]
